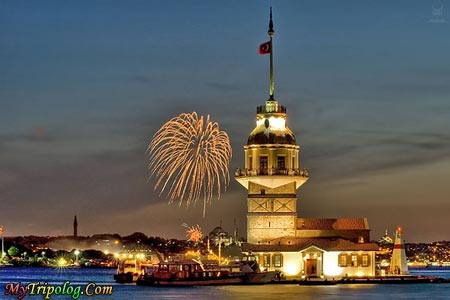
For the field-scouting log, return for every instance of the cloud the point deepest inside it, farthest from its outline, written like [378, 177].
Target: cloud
[35, 134]
[370, 152]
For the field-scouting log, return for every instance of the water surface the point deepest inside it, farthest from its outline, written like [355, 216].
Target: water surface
[102, 277]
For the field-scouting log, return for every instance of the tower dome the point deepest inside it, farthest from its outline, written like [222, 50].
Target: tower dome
[271, 126]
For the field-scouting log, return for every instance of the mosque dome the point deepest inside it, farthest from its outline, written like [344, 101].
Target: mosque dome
[218, 231]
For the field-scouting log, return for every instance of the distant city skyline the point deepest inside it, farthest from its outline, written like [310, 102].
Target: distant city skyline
[85, 85]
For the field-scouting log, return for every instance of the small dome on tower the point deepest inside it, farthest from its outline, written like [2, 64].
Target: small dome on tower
[271, 126]
[269, 137]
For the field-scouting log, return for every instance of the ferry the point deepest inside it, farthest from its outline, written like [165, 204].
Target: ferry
[195, 273]
[130, 267]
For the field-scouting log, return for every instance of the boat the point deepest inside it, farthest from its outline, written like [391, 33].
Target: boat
[253, 274]
[259, 277]
[127, 271]
[195, 273]
[130, 267]
[188, 273]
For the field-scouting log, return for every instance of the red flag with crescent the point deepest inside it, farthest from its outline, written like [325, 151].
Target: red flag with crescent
[265, 48]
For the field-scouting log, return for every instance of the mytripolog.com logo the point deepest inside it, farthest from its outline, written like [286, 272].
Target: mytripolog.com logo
[45, 290]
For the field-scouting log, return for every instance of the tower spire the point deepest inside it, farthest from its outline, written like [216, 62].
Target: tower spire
[271, 33]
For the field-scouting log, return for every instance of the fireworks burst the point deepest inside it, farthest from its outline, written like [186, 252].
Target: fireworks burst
[193, 233]
[189, 156]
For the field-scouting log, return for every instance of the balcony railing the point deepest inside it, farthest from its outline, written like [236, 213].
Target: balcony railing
[263, 109]
[270, 172]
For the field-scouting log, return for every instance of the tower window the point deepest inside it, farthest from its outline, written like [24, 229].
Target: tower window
[263, 164]
[281, 162]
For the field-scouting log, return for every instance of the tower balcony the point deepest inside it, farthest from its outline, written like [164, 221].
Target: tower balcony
[271, 177]
[270, 172]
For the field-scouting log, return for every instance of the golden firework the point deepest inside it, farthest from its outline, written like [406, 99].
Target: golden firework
[189, 156]
[193, 233]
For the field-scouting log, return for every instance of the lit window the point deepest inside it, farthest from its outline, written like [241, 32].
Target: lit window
[342, 260]
[266, 260]
[365, 260]
[354, 260]
[278, 260]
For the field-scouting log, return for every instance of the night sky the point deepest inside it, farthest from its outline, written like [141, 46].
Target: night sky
[84, 85]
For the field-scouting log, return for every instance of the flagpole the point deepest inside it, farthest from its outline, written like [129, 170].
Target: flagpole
[3, 250]
[271, 33]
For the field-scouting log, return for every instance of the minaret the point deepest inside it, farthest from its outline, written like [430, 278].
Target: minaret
[272, 172]
[75, 227]
[2, 254]
[235, 232]
[398, 259]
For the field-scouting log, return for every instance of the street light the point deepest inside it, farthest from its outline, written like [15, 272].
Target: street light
[77, 252]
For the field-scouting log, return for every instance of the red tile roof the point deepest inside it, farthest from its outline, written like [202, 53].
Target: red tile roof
[332, 224]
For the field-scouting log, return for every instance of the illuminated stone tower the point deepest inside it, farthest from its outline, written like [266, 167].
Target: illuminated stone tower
[272, 172]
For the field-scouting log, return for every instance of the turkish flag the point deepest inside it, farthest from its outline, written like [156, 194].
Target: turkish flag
[265, 48]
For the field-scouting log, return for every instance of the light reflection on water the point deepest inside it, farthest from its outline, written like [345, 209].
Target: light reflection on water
[267, 292]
